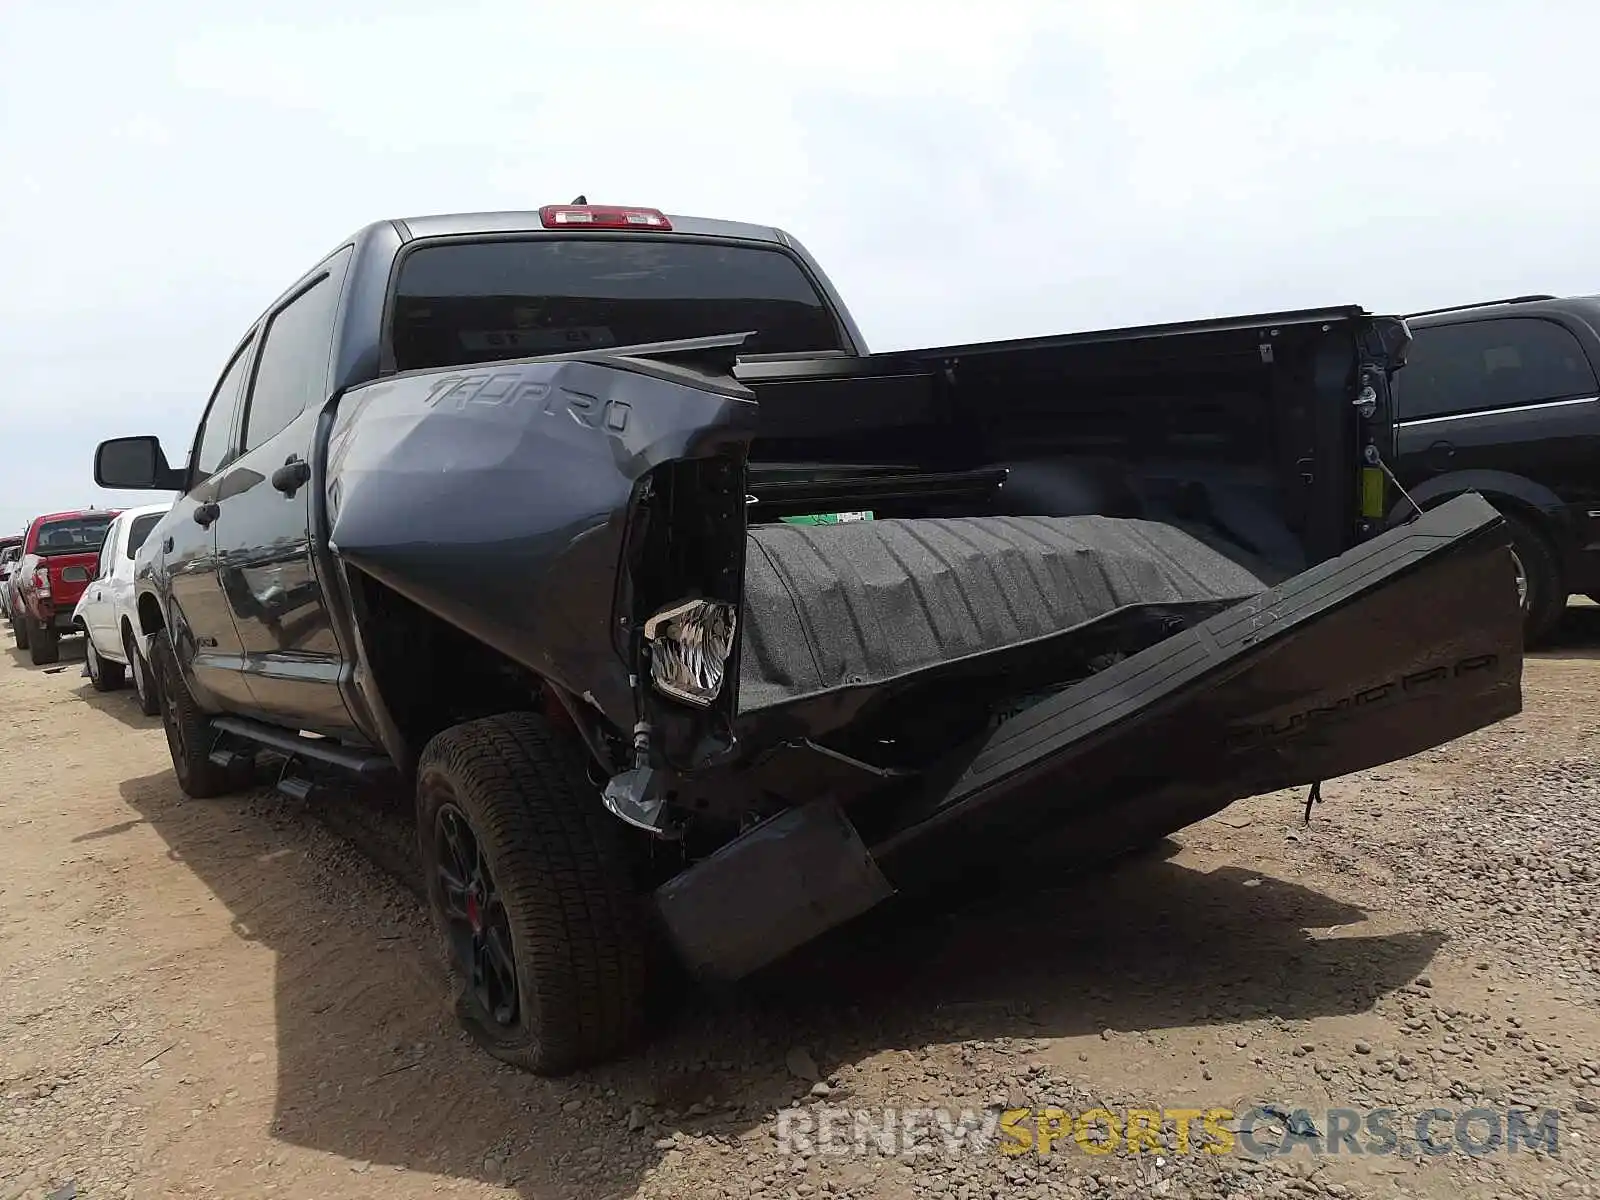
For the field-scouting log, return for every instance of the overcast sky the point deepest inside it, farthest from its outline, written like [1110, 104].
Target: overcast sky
[963, 170]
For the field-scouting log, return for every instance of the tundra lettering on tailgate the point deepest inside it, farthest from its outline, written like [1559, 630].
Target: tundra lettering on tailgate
[1405, 686]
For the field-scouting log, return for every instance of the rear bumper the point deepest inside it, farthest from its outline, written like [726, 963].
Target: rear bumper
[56, 618]
[1401, 644]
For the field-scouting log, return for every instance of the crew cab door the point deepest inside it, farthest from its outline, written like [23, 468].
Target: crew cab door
[290, 656]
[203, 634]
[98, 602]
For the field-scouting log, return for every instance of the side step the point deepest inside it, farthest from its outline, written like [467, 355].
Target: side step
[364, 764]
[295, 787]
[228, 760]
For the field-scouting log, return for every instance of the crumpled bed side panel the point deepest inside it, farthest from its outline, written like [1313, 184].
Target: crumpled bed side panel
[828, 606]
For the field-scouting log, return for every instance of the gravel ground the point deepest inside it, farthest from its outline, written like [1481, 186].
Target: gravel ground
[230, 999]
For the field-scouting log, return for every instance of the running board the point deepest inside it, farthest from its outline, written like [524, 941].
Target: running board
[365, 764]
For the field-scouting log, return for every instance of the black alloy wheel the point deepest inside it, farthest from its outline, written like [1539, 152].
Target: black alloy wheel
[477, 927]
[188, 729]
[532, 892]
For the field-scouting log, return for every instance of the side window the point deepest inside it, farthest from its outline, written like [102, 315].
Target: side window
[293, 370]
[108, 549]
[212, 443]
[1492, 364]
[139, 531]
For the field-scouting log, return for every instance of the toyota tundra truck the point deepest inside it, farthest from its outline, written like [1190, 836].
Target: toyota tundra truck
[695, 629]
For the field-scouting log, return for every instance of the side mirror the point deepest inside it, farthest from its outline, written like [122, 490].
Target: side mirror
[135, 463]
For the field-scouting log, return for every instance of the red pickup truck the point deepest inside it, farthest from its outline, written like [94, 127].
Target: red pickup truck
[60, 554]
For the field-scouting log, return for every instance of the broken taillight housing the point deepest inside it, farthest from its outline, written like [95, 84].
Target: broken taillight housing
[690, 644]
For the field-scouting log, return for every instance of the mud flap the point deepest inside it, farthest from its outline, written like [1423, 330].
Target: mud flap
[1401, 644]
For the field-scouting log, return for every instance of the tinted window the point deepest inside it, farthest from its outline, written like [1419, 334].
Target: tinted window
[475, 302]
[141, 530]
[213, 445]
[1492, 364]
[294, 361]
[73, 535]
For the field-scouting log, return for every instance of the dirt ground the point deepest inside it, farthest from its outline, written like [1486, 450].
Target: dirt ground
[231, 999]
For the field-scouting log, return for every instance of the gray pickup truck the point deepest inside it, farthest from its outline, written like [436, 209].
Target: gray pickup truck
[695, 629]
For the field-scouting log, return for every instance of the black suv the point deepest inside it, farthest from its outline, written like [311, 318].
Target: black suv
[1503, 398]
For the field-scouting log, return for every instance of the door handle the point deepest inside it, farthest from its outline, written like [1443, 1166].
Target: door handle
[289, 478]
[166, 545]
[206, 513]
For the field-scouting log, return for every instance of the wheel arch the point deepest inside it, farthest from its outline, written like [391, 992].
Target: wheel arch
[1533, 501]
[420, 675]
[151, 618]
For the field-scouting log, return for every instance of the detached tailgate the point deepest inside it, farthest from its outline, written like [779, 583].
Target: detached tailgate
[1403, 643]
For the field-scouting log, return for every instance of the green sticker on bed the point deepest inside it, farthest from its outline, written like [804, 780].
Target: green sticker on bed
[838, 518]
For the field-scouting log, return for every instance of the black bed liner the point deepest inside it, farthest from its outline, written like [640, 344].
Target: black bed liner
[832, 606]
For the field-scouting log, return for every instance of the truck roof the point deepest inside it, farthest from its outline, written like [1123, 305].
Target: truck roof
[1515, 306]
[468, 224]
[75, 512]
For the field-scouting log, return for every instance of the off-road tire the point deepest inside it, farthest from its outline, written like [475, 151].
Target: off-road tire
[44, 644]
[1547, 593]
[144, 681]
[578, 930]
[103, 676]
[189, 734]
[19, 633]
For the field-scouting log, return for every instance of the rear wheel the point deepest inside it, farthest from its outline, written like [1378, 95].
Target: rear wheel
[144, 685]
[1539, 585]
[531, 894]
[105, 676]
[44, 644]
[189, 734]
[19, 633]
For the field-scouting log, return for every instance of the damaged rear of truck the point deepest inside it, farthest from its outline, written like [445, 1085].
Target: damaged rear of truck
[830, 625]
[698, 627]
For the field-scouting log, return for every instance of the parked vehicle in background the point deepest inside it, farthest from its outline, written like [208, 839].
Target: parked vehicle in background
[10, 606]
[1503, 398]
[683, 614]
[59, 553]
[107, 613]
[10, 552]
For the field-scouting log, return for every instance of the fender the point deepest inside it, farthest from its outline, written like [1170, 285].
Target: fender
[1525, 492]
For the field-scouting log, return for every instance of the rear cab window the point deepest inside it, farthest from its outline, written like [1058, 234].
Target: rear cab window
[463, 302]
[1476, 366]
[72, 535]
